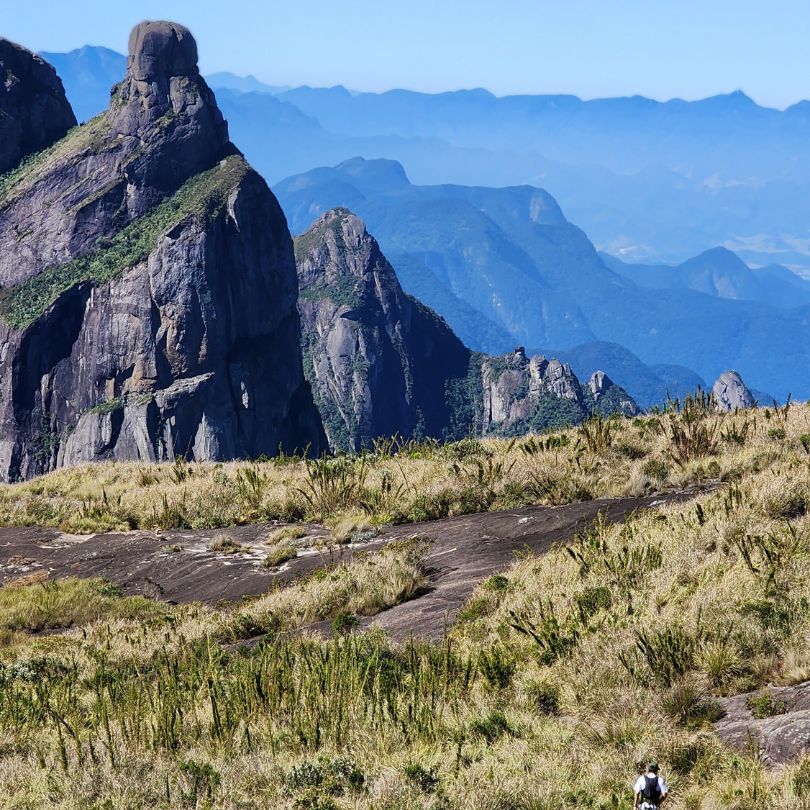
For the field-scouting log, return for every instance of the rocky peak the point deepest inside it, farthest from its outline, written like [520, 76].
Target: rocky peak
[337, 248]
[598, 384]
[147, 286]
[378, 361]
[731, 393]
[609, 397]
[159, 50]
[34, 111]
[522, 394]
[164, 104]
[156, 135]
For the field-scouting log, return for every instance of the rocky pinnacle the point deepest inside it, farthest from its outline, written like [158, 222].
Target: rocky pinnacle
[731, 393]
[148, 291]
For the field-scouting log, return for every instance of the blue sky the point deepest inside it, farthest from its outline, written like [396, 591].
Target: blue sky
[593, 48]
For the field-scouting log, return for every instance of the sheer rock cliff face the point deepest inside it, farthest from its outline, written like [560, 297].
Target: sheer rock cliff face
[147, 286]
[380, 363]
[34, 111]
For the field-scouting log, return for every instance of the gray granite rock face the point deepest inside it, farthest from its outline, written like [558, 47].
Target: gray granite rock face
[379, 362]
[781, 738]
[731, 393]
[521, 394]
[181, 338]
[34, 111]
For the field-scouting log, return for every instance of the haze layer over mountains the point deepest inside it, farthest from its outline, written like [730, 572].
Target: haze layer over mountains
[648, 182]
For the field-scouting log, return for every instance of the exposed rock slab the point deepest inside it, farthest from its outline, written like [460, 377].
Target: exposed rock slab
[779, 739]
[463, 551]
[467, 549]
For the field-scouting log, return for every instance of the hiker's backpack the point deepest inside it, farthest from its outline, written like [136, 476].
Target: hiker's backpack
[652, 790]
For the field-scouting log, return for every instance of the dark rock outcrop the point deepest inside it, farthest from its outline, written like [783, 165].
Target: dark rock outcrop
[379, 362]
[731, 393]
[147, 286]
[161, 49]
[34, 112]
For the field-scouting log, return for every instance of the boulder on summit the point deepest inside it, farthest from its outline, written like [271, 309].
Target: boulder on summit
[161, 49]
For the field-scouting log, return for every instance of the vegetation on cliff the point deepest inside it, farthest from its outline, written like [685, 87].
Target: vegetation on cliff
[201, 196]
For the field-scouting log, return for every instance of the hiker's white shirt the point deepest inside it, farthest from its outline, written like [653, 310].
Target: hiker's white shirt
[641, 783]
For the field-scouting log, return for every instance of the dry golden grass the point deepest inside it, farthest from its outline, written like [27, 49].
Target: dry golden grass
[420, 482]
[33, 604]
[563, 674]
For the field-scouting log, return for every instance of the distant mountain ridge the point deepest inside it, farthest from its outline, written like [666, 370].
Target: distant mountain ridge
[510, 254]
[649, 181]
[720, 273]
[88, 74]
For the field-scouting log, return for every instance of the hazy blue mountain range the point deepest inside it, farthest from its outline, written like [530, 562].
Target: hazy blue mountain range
[720, 273]
[648, 181]
[241, 84]
[88, 73]
[650, 384]
[504, 266]
[511, 254]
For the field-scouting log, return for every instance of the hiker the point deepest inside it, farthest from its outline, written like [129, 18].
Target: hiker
[650, 789]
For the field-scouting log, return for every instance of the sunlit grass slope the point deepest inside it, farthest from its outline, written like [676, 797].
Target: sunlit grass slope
[563, 674]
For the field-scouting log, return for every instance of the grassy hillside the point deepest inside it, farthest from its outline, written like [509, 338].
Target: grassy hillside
[407, 481]
[563, 673]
